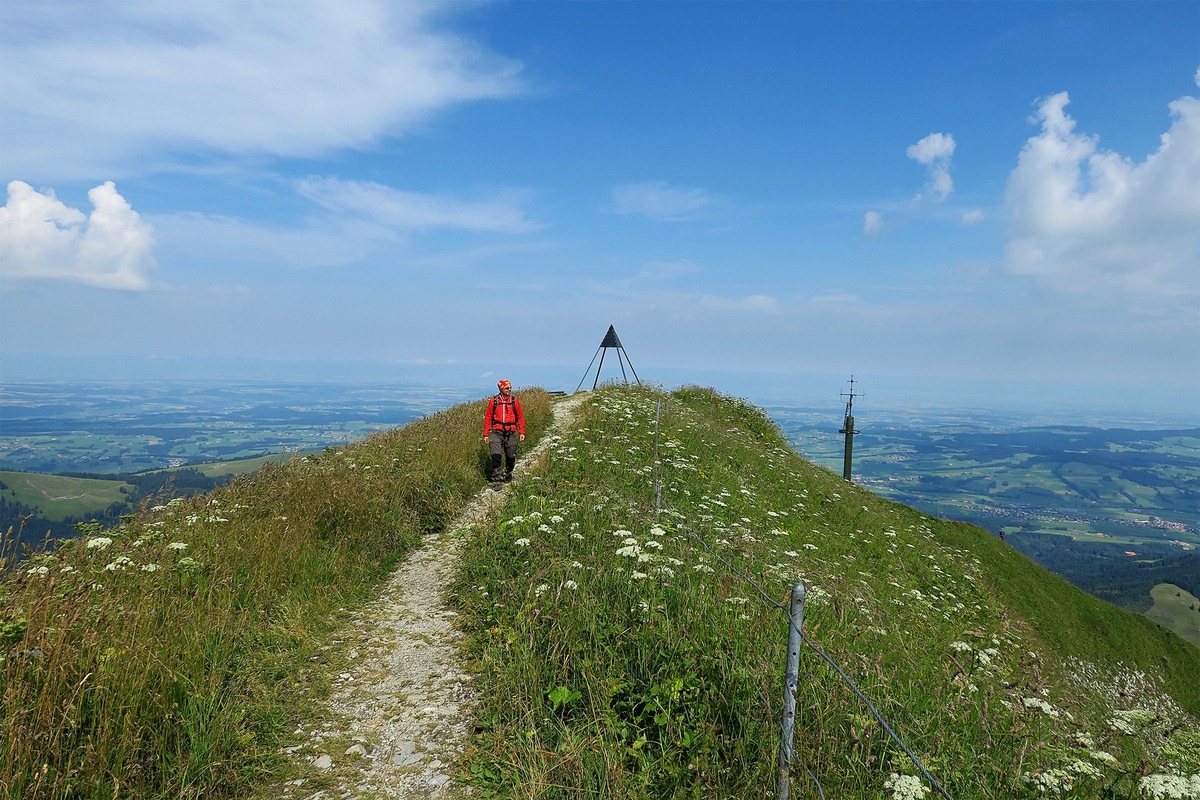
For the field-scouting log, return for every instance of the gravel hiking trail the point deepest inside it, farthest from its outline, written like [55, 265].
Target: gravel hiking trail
[400, 712]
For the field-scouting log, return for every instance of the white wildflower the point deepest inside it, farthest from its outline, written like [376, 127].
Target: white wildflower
[906, 787]
[1158, 787]
[1037, 702]
[1050, 781]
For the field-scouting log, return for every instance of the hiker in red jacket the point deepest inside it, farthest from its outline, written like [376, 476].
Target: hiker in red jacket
[503, 424]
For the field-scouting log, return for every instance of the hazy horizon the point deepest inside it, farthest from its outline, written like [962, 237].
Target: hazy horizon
[878, 396]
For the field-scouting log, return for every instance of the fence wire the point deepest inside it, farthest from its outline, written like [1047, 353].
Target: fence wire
[770, 601]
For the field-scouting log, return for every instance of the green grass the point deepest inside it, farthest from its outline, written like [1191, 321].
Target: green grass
[626, 650]
[622, 613]
[1176, 610]
[244, 466]
[59, 496]
[170, 657]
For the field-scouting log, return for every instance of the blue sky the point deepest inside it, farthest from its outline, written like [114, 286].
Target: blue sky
[986, 203]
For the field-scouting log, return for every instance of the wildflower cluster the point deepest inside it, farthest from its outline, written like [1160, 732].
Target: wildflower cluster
[906, 787]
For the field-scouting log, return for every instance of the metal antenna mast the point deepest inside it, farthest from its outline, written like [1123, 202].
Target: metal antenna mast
[848, 430]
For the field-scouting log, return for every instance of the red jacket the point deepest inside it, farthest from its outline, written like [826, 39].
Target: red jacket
[504, 415]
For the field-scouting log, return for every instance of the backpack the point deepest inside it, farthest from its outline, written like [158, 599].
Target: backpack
[497, 402]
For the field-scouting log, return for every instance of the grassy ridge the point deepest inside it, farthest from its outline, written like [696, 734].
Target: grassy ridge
[614, 612]
[627, 650]
[168, 657]
[244, 466]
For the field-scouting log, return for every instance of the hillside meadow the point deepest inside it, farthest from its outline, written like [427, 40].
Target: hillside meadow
[624, 614]
[62, 496]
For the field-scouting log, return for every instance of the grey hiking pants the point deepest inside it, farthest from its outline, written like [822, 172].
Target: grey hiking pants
[502, 443]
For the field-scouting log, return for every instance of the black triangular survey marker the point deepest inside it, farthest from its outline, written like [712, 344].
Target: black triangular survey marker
[611, 341]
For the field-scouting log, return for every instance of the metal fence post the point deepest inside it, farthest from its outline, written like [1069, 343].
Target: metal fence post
[657, 476]
[790, 679]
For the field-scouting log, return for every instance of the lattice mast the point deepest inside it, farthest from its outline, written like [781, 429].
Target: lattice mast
[849, 431]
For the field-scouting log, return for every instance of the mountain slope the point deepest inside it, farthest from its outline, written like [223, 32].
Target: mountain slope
[625, 614]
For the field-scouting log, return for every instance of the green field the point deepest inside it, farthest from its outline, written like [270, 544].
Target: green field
[1120, 485]
[1176, 610]
[243, 466]
[127, 452]
[59, 496]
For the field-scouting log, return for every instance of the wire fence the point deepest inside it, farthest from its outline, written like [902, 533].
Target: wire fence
[796, 637]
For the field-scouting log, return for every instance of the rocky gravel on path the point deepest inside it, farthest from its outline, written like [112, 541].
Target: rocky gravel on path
[401, 711]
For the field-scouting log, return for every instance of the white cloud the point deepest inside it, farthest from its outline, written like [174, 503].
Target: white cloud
[415, 211]
[872, 223]
[40, 237]
[726, 308]
[666, 270]
[117, 87]
[935, 151]
[973, 216]
[212, 239]
[357, 222]
[1084, 217]
[660, 202]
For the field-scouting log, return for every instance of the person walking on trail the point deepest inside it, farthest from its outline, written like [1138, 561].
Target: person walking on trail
[503, 426]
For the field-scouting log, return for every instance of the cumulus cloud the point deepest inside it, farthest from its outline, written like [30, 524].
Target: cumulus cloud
[414, 211]
[110, 86]
[973, 216]
[660, 202]
[934, 152]
[1085, 217]
[41, 237]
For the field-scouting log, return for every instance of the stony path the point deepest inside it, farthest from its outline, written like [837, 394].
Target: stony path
[402, 709]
